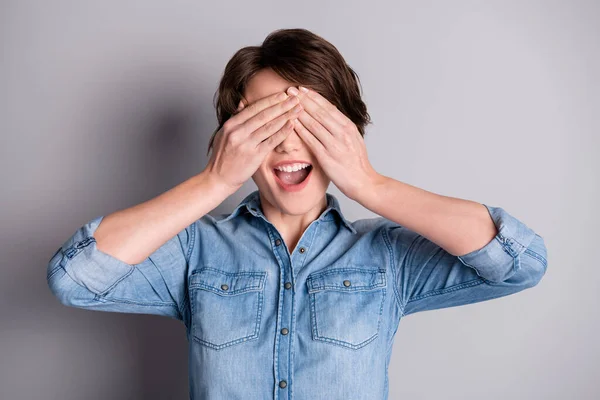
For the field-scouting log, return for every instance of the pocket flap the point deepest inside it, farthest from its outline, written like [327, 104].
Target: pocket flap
[227, 283]
[346, 279]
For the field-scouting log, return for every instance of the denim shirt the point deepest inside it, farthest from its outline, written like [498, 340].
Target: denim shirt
[315, 324]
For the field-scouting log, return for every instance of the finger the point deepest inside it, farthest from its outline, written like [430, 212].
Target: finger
[274, 125]
[272, 141]
[321, 115]
[313, 143]
[250, 111]
[240, 106]
[268, 114]
[339, 116]
[316, 129]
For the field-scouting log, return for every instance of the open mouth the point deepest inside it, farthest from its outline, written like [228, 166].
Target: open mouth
[293, 181]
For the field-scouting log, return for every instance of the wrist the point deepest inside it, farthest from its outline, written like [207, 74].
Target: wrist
[216, 184]
[370, 189]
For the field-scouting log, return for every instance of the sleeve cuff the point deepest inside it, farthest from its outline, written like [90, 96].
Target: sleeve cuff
[500, 258]
[89, 267]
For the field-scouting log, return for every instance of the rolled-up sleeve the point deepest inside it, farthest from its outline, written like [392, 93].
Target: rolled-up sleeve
[427, 277]
[81, 275]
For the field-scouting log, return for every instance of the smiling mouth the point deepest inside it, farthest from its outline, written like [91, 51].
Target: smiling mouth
[295, 177]
[292, 180]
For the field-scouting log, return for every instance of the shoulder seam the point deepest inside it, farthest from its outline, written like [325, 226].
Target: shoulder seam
[395, 277]
[192, 242]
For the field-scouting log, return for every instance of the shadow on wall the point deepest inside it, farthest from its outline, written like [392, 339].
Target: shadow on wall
[148, 132]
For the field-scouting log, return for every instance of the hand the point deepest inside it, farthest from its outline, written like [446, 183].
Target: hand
[246, 138]
[336, 143]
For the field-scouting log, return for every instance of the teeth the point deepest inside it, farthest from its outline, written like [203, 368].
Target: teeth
[292, 167]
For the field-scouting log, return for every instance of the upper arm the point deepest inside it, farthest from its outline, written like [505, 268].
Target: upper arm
[80, 275]
[427, 277]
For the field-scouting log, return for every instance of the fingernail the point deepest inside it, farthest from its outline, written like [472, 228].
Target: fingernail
[298, 108]
[293, 91]
[305, 90]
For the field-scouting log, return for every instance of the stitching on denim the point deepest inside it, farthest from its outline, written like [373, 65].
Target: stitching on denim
[311, 243]
[224, 345]
[449, 289]
[314, 286]
[279, 303]
[291, 341]
[313, 322]
[62, 265]
[192, 243]
[342, 343]
[111, 287]
[233, 274]
[259, 313]
[54, 271]
[59, 264]
[394, 271]
[346, 344]
[348, 226]
[139, 303]
[184, 305]
[536, 256]
[181, 307]
[335, 271]
[279, 260]
[253, 336]
[247, 287]
[381, 310]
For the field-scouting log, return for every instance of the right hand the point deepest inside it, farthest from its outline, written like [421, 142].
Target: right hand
[246, 138]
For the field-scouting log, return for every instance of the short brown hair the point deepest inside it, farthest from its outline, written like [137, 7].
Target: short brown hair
[302, 58]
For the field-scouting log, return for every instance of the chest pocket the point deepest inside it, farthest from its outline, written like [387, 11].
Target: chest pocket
[226, 306]
[346, 305]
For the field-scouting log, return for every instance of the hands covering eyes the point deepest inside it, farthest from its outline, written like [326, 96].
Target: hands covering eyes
[335, 141]
[246, 138]
[244, 141]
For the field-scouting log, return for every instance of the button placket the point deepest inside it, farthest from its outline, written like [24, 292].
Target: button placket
[283, 348]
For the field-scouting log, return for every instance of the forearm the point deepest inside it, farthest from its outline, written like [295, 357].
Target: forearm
[132, 234]
[458, 226]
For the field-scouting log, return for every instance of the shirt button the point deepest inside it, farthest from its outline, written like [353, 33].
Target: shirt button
[346, 283]
[282, 384]
[277, 242]
[302, 249]
[284, 331]
[287, 285]
[224, 287]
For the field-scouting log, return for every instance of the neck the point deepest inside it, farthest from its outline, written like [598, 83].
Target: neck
[291, 226]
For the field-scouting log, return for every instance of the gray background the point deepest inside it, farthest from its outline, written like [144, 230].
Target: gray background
[107, 104]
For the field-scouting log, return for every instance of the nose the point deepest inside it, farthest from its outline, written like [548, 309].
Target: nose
[291, 143]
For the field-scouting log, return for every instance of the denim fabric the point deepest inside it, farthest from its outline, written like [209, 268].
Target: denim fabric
[316, 324]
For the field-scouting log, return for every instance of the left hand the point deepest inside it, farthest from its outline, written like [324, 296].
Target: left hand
[336, 143]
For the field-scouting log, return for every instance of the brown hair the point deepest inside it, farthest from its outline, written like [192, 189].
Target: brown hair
[302, 58]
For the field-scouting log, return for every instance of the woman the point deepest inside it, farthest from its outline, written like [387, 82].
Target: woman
[284, 297]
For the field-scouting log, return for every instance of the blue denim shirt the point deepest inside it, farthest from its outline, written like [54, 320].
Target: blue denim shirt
[315, 324]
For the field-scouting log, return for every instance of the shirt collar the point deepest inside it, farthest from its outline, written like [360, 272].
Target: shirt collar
[251, 204]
